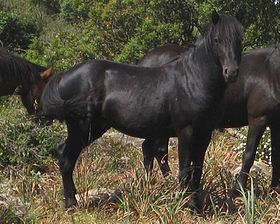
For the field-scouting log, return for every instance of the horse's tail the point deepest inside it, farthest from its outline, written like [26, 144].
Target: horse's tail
[54, 107]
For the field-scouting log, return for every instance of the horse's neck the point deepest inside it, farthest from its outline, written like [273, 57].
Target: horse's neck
[202, 75]
[205, 58]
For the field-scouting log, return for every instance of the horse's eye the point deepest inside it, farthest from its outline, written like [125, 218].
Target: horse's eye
[216, 40]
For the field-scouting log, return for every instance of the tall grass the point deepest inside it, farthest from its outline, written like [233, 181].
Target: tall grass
[112, 184]
[249, 203]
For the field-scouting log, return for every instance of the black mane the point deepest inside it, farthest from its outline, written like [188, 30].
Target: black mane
[14, 68]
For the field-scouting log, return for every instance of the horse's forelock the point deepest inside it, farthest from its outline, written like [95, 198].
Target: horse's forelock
[229, 28]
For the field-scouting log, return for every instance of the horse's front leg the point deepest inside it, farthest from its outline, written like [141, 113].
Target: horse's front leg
[255, 132]
[185, 145]
[201, 142]
[67, 160]
[275, 157]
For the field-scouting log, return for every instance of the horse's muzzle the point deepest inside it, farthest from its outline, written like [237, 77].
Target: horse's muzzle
[230, 74]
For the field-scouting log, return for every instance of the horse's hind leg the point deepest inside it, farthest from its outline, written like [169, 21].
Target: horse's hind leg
[201, 142]
[98, 129]
[148, 155]
[156, 148]
[70, 150]
[275, 157]
[67, 160]
[161, 154]
[255, 132]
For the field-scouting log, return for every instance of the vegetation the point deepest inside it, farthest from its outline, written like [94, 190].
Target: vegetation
[61, 33]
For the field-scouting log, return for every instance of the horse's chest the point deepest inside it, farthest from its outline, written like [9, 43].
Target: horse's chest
[185, 111]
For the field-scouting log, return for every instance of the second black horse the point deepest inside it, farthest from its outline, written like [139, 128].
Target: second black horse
[253, 100]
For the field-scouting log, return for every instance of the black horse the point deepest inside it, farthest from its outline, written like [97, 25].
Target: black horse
[29, 78]
[252, 100]
[179, 99]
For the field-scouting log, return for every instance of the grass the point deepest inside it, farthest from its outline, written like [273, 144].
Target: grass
[110, 167]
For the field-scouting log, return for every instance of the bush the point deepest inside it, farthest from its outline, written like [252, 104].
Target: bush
[264, 148]
[15, 32]
[22, 141]
[114, 30]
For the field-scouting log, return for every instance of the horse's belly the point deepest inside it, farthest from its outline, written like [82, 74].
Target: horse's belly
[139, 119]
[234, 116]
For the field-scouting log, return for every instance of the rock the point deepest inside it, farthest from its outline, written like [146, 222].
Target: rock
[100, 197]
[260, 172]
[258, 169]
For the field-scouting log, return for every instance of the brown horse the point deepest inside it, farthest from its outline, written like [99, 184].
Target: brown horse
[22, 77]
[253, 100]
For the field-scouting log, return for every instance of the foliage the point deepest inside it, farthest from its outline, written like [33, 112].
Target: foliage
[20, 22]
[116, 30]
[51, 6]
[73, 10]
[264, 148]
[71, 31]
[61, 46]
[260, 18]
[22, 141]
[14, 32]
[249, 203]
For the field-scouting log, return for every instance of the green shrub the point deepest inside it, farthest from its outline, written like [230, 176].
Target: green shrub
[14, 31]
[264, 148]
[21, 140]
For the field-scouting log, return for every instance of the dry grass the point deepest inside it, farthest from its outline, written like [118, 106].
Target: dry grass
[110, 166]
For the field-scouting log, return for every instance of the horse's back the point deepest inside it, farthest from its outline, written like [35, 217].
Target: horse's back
[161, 55]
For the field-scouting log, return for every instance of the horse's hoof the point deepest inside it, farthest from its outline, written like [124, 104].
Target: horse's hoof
[235, 192]
[275, 191]
[230, 206]
[70, 202]
[194, 205]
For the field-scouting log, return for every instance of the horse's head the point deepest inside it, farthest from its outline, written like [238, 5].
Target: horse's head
[31, 97]
[226, 40]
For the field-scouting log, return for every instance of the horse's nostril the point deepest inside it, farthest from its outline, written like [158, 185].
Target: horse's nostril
[226, 70]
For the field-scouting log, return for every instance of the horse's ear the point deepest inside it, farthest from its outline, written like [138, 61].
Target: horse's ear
[46, 74]
[215, 17]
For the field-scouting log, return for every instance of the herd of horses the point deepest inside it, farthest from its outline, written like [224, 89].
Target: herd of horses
[174, 91]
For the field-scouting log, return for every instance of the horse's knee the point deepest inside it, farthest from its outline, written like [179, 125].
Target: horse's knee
[58, 150]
